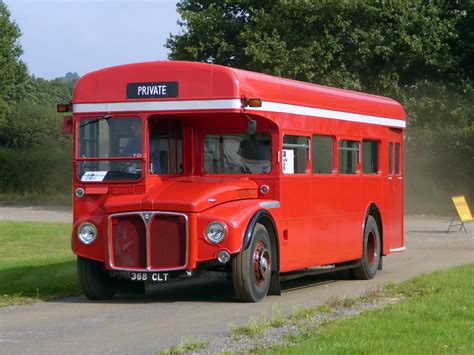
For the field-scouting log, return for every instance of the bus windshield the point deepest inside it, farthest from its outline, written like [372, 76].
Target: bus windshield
[104, 138]
[238, 153]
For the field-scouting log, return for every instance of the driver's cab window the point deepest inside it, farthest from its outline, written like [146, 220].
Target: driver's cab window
[106, 137]
[166, 146]
[102, 138]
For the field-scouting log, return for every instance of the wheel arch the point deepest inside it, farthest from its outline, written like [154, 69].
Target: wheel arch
[264, 217]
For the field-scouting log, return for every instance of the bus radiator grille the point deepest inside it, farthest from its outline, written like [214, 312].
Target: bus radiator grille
[168, 242]
[129, 242]
[148, 241]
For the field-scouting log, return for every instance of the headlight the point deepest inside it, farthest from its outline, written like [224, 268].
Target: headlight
[80, 192]
[87, 233]
[215, 232]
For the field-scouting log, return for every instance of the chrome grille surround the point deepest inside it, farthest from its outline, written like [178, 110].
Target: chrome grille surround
[147, 217]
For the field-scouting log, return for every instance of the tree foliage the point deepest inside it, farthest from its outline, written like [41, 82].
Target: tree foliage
[42, 91]
[366, 45]
[34, 155]
[33, 126]
[32, 121]
[12, 69]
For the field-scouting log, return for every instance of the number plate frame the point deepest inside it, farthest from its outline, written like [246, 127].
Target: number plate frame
[151, 277]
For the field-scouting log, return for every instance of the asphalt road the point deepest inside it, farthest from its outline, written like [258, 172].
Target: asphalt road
[36, 213]
[202, 309]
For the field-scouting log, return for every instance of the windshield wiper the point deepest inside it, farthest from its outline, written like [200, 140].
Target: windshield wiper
[106, 117]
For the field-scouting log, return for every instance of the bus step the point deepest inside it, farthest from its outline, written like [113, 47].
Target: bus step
[317, 270]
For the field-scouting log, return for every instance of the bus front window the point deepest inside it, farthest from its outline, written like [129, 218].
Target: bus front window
[109, 149]
[238, 154]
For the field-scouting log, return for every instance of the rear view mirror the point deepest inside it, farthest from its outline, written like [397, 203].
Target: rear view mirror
[251, 127]
[67, 125]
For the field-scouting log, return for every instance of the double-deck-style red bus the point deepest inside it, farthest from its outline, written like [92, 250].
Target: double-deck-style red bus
[185, 169]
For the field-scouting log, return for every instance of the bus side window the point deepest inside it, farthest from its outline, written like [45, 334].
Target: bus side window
[236, 153]
[370, 157]
[323, 155]
[397, 158]
[295, 155]
[348, 156]
[390, 158]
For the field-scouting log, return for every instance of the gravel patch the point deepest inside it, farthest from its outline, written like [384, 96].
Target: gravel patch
[278, 336]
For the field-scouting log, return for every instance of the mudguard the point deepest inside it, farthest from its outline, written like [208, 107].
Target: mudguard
[240, 218]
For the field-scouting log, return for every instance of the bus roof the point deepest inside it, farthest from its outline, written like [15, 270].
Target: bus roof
[215, 87]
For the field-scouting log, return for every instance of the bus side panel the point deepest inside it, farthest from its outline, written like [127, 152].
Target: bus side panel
[295, 202]
[325, 191]
[372, 192]
[350, 216]
[324, 243]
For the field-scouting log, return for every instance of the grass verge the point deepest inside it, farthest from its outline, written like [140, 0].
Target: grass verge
[255, 327]
[184, 348]
[36, 262]
[436, 316]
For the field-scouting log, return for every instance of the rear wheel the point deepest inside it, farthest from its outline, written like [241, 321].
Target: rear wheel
[251, 269]
[370, 260]
[95, 281]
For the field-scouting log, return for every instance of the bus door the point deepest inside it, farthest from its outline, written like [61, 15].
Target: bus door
[295, 199]
[395, 188]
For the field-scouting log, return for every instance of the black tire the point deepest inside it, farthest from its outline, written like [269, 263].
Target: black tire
[369, 263]
[95, 281]
[251, 269]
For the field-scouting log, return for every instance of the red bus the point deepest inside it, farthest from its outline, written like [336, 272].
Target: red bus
[188, 169]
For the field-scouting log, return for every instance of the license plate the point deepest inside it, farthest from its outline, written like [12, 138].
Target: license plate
[150, 276]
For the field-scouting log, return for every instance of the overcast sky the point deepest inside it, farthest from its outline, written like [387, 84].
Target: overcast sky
[60, 36]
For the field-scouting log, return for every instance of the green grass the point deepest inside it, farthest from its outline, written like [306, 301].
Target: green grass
[255, 327]
[184, 348]
[278, 317]
[300, 313]
[36, 262]
[436, 316]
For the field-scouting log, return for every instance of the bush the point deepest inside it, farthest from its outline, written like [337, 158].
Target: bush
[33, 126]
[40, 171]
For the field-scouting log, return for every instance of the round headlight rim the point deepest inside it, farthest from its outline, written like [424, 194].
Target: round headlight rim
[80, 192]
[224, 232]
[79, 230]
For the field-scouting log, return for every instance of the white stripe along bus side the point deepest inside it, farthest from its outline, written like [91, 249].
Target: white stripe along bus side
[235, 104]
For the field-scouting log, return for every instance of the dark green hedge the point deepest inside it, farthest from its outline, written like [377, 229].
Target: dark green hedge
[35, 171]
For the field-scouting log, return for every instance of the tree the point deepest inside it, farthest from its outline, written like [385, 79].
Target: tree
[32, 121]
[363, 45]
[42, 91]
[30, 126]
[34, 156]
[71, 77]
[12, 69]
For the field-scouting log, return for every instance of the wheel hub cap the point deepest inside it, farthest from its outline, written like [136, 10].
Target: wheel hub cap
[371, 249]
[264, 266]
[261, 263]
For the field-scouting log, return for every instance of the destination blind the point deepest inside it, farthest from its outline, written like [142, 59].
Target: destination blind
[152, 90]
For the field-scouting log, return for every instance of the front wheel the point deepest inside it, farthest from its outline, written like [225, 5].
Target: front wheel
[251, 269]
[370, 260]
[95, 281]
